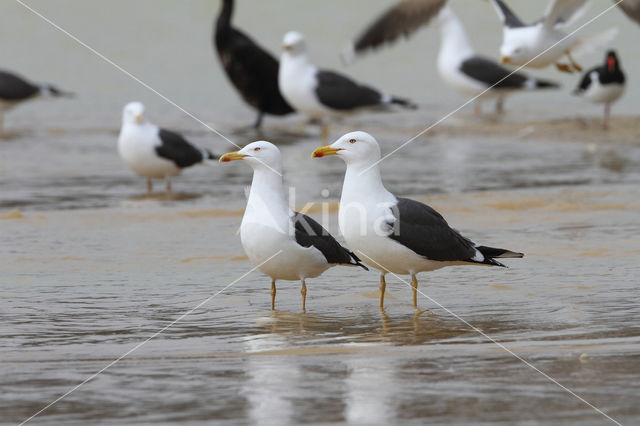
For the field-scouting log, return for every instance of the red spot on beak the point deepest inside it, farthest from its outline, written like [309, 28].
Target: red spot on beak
[318, 155]
[225, 160]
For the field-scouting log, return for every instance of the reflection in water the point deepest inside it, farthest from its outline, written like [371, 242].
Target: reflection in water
[269, 380]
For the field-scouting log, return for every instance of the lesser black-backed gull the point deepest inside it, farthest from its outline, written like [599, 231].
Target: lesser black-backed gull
[466, 72]
[285, 245]
[394, 234]
[153, 152]
[14, 89]
[322, 94]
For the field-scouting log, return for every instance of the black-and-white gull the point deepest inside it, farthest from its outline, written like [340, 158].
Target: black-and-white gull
[284, 244]
[603, 84]
[394, 234]
[252, 70]
[14, 89]
[544, 42]
[322, 94]
[466, 72]
[153, 152]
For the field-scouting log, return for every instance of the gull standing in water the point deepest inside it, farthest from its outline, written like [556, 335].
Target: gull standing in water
[15, 90]
[394, 234]
[284, 244]
[466, 72]
[322, 94]
[153, 152]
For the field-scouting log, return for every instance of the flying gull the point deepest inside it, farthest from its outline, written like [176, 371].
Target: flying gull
[285, 245]
[14, 89]
[394, 234]
[544, 42]
[251, 69]
[463, 70]
[322, 94]
[405, 17]
[603, 84]
[153, 152]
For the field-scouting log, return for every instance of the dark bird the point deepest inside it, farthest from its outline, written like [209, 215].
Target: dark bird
[603, 84]
[252, 70]
[15, 89]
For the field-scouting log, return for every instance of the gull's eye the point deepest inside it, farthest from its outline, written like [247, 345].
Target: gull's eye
[352, 141]
[256, 148]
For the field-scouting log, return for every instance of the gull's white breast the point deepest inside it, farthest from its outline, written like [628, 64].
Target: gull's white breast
[136, 146]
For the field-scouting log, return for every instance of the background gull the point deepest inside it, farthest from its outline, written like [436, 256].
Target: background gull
[544, 42]
[153, 152]
[465, 71]
[323, 94]
[14, 90]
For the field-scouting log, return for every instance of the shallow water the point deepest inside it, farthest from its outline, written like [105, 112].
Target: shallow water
[90, 267]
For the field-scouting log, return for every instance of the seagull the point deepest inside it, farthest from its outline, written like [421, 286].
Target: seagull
[394, 234]
[463, 70]
[322, 94]
[405, 17]
[251, 69]
[153, 152]
[14, 89]
[543, 43]
[603, 84]
[283, 244]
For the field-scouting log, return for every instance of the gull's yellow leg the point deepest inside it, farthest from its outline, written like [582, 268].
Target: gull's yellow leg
[168, 186]
[414, 287]
[273, 295]
[563, 67]
[149, 186]
[383, 287]
[573, 63]
[303, 291]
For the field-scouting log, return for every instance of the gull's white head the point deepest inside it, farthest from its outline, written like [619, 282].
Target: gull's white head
[354, 148]
[514, 49]
[259, 155]
[133, 113]
[294, 43]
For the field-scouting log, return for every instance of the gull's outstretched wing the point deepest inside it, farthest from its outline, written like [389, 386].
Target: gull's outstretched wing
[403, 19]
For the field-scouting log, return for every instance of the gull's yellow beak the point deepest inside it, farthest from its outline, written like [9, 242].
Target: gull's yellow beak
[325, 150]
[287, 47]
[139, 118]
[506, 60]
[230, 156]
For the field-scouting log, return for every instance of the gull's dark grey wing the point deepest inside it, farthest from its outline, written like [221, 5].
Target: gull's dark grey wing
[339, 92]
[177, 149]
[423, 230]
[402, 19]
[631, 8]
[15, 88]
[491, 73]
[309, 233]
[506, 15]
